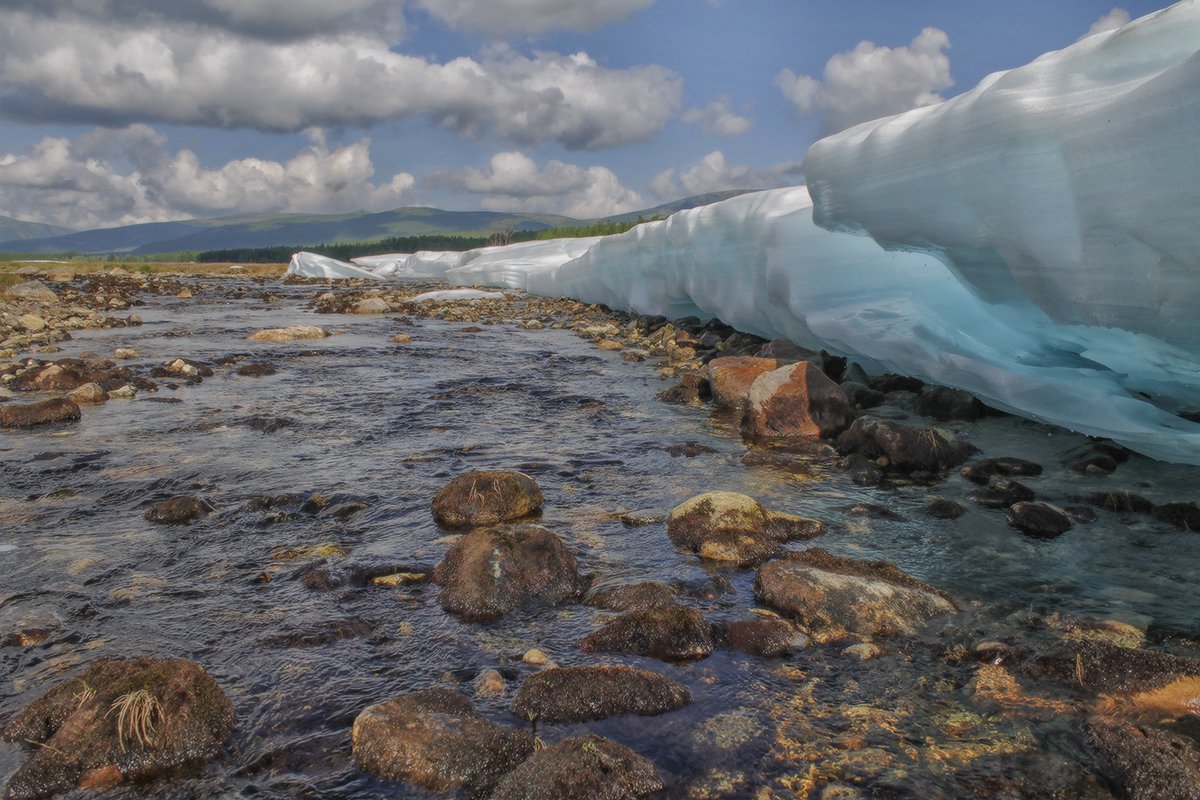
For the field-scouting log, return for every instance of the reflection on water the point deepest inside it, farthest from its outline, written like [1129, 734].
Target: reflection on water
[376, 429]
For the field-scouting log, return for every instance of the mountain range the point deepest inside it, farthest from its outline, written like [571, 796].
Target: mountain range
[297, 230]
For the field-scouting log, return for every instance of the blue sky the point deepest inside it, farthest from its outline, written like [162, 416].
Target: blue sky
[116, 111]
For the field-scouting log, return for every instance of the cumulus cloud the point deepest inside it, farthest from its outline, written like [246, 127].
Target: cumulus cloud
[72, 67]
[713, 174]
[870, 81]
[718, 118]
[1110, 21]
[514, 182]
[121, 177]
[506, 18]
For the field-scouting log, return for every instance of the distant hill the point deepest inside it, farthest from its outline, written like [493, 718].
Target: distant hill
[667, 209]
[19, 230]
[298, 230]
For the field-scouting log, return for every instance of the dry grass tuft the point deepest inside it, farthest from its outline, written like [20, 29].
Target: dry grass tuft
[136, 712]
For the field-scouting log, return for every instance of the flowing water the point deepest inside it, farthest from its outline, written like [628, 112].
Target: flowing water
[357, 419]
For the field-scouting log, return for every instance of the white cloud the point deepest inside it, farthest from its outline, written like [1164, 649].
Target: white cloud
[500, 19]
[718, 118]
[121, 177]
[713, 174]
[514, 182]
[870, 81]
[1110, 21]
[74, 68]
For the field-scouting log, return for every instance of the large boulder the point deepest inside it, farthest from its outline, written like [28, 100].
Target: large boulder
[487, 574]
[482, 498]
[835, 597]
[767, 637]
[798, 400]
[730, 378]
[1147, 763]
[579, 694]
[581, 768]
[632, 596]
[30, 415]
[436, 740]
[905, 448]
[670, 633]
[32, 290]
[1039, 520]
[121, 721]
[735, 528]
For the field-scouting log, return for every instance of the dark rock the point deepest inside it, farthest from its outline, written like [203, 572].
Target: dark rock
[943, 404]
[767, 637]
[487, 574]
[1080, 514]
[256, 370]
[579, 694]
[1145, 679]
[1147, 763]
[688, 449]
[581, 768]
[735, 528]
[731, 377]
[670, 633]
[1120, 502]
[181, 510]
[268, 424]
[941, 508]
[1097, 458]
[632, 597]
[873, 511]
[1002, 493]
[692, 389]
[478, 499]
[1039, 520]
[983, 471]
[835, 597]
[784, 351]
[862, 397]
[121, 721]
[796, 401]
[863, 471]
[891, 382]
[1185, 516]
[47, 412]
[906, 448]
[436, 740]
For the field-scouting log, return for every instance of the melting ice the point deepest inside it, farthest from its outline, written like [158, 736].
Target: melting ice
[1034, 241]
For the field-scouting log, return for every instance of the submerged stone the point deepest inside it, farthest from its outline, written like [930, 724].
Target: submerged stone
[581, 768]
[670, 633]
[579, 694]
[30, 415]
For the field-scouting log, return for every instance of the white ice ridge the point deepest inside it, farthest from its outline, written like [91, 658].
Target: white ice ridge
[1058, 299]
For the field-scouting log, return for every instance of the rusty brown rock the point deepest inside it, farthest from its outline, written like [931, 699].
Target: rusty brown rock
[47, 412]
[477, 499]
[795, 401]
[731, 377]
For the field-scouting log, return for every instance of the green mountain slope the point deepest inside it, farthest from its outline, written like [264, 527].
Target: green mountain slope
[20, 230]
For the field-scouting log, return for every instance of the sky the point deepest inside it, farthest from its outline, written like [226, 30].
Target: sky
[115, 112]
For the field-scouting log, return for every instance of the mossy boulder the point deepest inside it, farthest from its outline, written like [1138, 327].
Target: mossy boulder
[486, 574]
[31, 415]
[669, 633]
[581, 768]
[578, 694]
[180, 510]
[120, 721]
[480, 499]
[735, 528]
[632, 596]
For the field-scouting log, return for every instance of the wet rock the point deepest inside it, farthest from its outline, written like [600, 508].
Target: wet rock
[32, 323]
[35, 291]
[873, 511]
[862, 397]
[289, 334]
[941, 508]
[891, 382]
[88, 393]
[1121, 502]
[835, 597]
[476, 499]
[181, 510]
[1147, 763]
[487, 574]
[688, 450]
[795, 401]
[1097, 458]
[579, 694]
[1185, 516]
[983, 471]
[632, 597]
[1039, 520]
[30, 415]
[905, 448]
[730, 378]
[766, 637]
[256, 370]
[944, 404]
[489, 683]
[735, 528]
[371, 305]
[125, 354]
[121, 721]
[267, 424]
[1002, 493]
[581, 768]
[436, 740]
[669, 633]
[402, 338]
[691, 390]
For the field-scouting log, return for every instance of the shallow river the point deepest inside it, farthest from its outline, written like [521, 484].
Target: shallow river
[388, 425]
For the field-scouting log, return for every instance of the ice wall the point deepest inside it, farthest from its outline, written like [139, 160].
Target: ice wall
[1072, 182]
